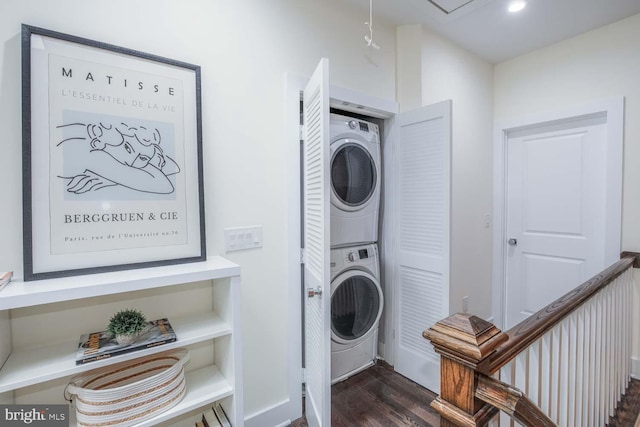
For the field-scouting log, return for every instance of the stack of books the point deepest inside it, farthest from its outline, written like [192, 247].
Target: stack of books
[214, 417]
[102, 345]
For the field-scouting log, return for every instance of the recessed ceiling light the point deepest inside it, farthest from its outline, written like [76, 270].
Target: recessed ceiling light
[517, 5]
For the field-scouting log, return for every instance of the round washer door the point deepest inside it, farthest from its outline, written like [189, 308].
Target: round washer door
[356, 306]
[354, 175]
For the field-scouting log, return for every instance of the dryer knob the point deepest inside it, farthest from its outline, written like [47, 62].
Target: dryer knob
[352, 257]
[353, 124]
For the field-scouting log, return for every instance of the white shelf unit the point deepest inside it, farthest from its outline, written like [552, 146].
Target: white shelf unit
[212, 331]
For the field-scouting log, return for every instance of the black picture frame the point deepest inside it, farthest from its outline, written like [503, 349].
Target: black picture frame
[112, 158]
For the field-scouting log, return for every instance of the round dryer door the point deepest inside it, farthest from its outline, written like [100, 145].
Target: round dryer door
[353, 175]
[356, 306]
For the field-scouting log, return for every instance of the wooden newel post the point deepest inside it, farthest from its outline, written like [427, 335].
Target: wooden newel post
[465, 343]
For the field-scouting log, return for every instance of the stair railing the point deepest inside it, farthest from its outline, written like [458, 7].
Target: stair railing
[566, 365]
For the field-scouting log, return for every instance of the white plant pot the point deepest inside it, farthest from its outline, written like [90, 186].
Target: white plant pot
[126, 339]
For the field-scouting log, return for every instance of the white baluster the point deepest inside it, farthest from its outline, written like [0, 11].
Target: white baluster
[628, 320]
[626, 324]
[495, 421]
[521, 373]
[545, 373]
[572, 392]
[534, 366]
[506, 376]
[563, 386]
[610, 349]
[598, 351]
[556, 372]
[618, 312]
[580, 371]
[587, 383]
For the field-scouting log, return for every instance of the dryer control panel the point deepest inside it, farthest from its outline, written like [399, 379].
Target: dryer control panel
[364, 257]
[358, 254]
[363, 126]
[343, 125]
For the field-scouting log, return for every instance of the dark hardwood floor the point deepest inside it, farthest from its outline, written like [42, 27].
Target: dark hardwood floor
[629, 407]
[379, 397]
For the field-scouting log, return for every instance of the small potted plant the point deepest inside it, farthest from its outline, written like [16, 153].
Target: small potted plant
[125, 325]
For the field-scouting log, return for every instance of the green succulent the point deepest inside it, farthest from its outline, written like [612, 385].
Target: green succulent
[127, 322]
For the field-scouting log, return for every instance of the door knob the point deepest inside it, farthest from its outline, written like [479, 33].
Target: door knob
[313, 292]
[512, 242]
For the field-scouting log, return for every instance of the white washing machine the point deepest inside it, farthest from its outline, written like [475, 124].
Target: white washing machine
[355, 181]
[356, 307]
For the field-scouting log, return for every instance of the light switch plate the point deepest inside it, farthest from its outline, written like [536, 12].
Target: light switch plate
[242, 238]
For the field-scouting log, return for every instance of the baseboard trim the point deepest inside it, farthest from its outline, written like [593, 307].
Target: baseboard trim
[278, 415]
[635, 368]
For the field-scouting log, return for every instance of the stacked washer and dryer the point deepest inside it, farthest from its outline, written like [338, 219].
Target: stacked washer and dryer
[356, 294]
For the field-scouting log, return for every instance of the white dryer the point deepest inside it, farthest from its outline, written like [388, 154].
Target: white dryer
[356, 307]
[355, 181]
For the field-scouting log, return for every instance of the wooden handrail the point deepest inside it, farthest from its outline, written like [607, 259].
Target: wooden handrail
[511, 401]
[472, 350]
[529, 330]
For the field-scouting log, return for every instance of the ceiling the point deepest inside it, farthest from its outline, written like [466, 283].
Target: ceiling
[488, 29]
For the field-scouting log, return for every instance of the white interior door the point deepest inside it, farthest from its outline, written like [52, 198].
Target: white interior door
[556, 200]
[422, 215]
[316, 236]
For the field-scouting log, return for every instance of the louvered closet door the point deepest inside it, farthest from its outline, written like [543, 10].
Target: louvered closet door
[422, 198]
[316, 231]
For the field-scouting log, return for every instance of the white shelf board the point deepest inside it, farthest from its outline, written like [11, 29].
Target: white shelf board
[204, 386]
[24, 294]
[35, 365]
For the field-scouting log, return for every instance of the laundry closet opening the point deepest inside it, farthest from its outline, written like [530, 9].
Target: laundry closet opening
[359, 300]
[399, 261]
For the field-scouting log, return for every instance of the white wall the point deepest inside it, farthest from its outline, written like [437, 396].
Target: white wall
[600, 64]
[409, 66]
[244, 48]
[447, 71]
[450, 72]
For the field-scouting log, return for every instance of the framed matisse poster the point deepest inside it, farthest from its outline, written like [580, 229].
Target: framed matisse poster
[112, 158]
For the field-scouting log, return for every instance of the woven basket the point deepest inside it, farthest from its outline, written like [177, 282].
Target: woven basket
[130, 392]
